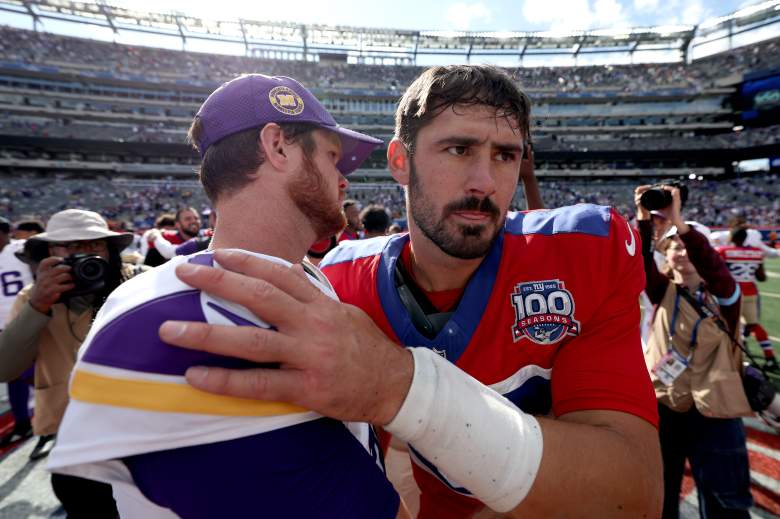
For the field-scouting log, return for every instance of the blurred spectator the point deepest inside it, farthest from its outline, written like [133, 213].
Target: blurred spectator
[162, 243]
[351, 209]
[394, 229]
[14, 275]
[203, 241]
[164, 222]
[25, 228]
[320, 249]
[375, 221]
[746, 265]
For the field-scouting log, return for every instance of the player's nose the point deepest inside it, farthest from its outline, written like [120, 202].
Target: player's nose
[481, 179]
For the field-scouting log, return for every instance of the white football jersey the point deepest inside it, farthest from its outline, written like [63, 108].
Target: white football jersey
[14, 275]
[128, 394]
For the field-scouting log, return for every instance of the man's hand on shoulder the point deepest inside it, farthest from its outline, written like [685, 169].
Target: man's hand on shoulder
[332, 357]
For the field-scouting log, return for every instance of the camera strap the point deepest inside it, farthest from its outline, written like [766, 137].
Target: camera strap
[705, 312]
[425, 317]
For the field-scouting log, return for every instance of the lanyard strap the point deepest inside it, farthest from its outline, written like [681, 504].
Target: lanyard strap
[673, 327]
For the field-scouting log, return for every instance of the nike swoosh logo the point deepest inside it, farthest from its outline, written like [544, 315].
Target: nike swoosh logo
[631, 247]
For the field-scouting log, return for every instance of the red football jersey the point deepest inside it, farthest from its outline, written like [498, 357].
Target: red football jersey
[743, 263]
[174, 237]
[550, 320]
[346, 234]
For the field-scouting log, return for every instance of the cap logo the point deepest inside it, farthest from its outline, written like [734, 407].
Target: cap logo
[285, 100]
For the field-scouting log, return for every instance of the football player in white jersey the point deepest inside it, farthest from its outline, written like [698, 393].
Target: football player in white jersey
[14, 275]
[273, 165]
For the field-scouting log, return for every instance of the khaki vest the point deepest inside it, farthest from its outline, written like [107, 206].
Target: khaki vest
[713, 380]
[58, 344]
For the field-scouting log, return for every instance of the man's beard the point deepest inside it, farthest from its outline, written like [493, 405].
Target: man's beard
[192, 231]
[464, 242]
[309, 193]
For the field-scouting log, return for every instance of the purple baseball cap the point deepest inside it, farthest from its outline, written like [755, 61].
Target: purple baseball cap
[253, 100]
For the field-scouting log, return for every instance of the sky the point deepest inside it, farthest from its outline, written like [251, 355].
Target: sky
[442, 15]
[488, 15]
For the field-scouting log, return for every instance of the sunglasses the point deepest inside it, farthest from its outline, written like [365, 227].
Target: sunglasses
[83, 246]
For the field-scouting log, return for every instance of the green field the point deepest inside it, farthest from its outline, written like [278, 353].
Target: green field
[770, 309]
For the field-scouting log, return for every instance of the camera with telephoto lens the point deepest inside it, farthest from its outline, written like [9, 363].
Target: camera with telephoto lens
[89, 274]
[657, 197]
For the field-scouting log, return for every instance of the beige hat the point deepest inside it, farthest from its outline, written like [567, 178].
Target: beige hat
[79, 225]
[703, 229]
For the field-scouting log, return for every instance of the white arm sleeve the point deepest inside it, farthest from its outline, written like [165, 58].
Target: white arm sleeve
[753, 239]
[471, 433]
[166, 249]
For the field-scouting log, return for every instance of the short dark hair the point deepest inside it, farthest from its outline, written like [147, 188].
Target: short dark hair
[5, 226]
[29, 226]
[231, 163]
[180, 210]
[738, 236]
[439, 88]
[164, 220]
[738, 220]
[375, 218]
[349, 202]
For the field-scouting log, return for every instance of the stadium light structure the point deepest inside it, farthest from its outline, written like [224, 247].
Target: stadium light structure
[725, 30]
[372, 45]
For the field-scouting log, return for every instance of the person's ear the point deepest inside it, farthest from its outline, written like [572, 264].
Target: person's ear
[274, 147]
[399, 161]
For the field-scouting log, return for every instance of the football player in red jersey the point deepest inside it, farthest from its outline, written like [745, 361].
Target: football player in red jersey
[522, 387]
[351, 210]
[162, 244]
[746, 265]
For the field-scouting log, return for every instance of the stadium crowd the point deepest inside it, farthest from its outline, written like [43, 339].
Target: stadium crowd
[140, 202]
[67, 53]
[690, 141]
[605, 138]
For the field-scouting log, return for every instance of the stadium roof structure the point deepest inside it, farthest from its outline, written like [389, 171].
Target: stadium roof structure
[313, 41]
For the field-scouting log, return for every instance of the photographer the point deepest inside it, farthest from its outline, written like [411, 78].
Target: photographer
[695, 364]
[79, 266]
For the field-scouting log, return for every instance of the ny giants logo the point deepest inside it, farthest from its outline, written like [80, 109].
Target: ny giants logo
[544, 312]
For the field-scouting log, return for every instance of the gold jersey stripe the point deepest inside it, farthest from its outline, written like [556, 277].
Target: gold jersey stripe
[167, 397]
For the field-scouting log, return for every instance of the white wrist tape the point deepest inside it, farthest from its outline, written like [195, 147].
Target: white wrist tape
[472, 434]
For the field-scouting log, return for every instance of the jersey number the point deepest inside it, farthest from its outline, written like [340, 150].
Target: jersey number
[556, 302]
[743, 271]
[11, 282]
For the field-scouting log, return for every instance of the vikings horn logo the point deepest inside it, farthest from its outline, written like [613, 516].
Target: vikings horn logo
[544, 312]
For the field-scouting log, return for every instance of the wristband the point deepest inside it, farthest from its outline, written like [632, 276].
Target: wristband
[474, 435]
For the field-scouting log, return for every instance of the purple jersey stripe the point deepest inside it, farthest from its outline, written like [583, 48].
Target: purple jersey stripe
[131, 341]
[315, 469]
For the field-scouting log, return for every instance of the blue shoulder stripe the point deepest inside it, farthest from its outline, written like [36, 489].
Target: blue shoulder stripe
[352, 250]
[728, 301]
[581, 218]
